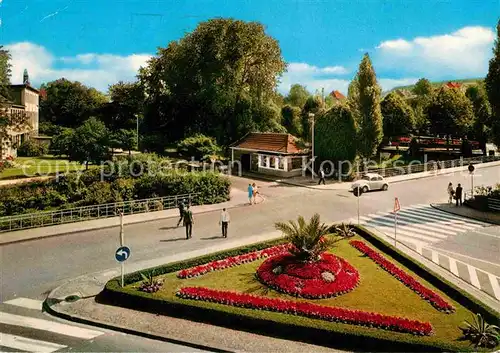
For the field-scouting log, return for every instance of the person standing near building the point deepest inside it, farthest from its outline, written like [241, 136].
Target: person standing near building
[458, 194]
[188, 222]
[451, 192]
[224, 222]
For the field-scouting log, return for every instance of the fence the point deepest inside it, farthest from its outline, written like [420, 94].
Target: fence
[79, 214]
[429, 166]
[493, 204]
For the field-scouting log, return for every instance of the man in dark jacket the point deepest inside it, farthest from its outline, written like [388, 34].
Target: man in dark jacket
[188, 222]
[181, 212]
[458, 194]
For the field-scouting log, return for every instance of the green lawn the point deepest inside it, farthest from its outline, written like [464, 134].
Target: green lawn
[46, 165]
[378, 291]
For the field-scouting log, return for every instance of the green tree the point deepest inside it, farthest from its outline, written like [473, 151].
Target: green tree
[492, 82]
[199, 147]
[212, 81]
[124, 139]
[126, 106]
[482, 112]
[291, 120]
[5, 72]
[69, 103]
[314, 106]
[62, 143]
[353, 98]
[297, 96]
[335, 135]
[90, 142]
[367, 107]
[398, 116]
[423, 87]
[450, 112]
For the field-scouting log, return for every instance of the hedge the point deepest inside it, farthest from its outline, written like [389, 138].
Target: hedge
[75, 190]
[231, 317]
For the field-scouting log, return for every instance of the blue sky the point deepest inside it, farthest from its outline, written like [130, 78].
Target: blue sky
[99, 42]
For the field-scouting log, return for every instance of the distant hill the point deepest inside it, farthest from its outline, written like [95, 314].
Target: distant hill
[466, 82]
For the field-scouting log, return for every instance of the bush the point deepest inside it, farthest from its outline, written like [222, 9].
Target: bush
[5, 164]
[199, 146]
[33, 148]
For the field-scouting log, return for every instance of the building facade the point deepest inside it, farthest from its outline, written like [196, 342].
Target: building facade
[24, 99]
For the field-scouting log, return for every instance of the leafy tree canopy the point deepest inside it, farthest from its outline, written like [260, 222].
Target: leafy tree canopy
[297, 96]
[398, 117]
[492, 82]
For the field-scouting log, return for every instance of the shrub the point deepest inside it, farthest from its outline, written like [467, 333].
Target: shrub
[33, 148]
[199, 146]
[98, 193]
[480, 333]
[5, 164]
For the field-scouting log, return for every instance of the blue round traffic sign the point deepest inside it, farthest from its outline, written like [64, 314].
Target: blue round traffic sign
[122, 254]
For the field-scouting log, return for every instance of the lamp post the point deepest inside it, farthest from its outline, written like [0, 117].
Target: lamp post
[311, 116]
[137, 130]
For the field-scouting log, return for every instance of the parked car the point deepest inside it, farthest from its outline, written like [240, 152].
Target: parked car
[369, 182]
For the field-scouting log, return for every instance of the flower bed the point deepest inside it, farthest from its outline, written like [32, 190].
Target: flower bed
[328, 277]
[432, 297]
[233, 261]
[321, 312]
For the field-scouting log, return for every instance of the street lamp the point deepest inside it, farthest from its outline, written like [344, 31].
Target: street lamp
[137, 130]
[311, 116]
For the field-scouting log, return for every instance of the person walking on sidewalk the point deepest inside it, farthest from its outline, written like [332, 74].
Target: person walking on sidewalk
[458, 194]
[256, 193]
[224, 222]
[451, 192]
[321, 177]
[250, 194]
[188, 222]
[181, 212]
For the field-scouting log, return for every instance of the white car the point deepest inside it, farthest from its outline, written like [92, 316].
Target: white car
[369, 182]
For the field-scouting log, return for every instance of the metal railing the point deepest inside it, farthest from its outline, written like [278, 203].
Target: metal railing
[429, 166]
[85, 213]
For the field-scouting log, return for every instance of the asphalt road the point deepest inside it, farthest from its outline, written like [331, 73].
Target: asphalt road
[33, 268]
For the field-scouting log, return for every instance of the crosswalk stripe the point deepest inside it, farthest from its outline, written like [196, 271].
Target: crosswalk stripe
[435, 257]
[453, 266]
[388, 228]
[494, 285]
[401, 225]
[415, 221]
[410, 236]
[441, 214]
[473, 276]
[459, 226]
[26, 303]
[427, 229]
[45, 325]
[28, 344]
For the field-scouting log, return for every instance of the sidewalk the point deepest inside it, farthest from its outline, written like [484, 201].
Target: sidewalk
[308, 183]
[87, 311]
[468, 212]
[238, 199]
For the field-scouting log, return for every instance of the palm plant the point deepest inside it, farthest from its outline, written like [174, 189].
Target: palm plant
[480, 333]
[308, 239]
[344, 230]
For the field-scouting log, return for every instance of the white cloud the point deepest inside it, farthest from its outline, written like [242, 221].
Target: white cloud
[464, 53]
[95, 70]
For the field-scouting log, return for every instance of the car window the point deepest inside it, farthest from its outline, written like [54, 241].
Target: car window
[366, 177]
[379, 178]
[374, 178]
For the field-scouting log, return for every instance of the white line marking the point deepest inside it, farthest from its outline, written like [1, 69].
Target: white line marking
[453, 266]
[45, 325]
[494, 285]
[468, 257]
[473, 276]
[28, 344]
[418, 248]
[26, 303]
[433, 211]
[483, 233]
[435, 257]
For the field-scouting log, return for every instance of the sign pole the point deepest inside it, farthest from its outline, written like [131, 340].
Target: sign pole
[122, 264]
[395, 227]
[358, 204]
[472, 184]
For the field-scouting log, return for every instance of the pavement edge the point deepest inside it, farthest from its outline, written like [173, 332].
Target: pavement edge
[475, 218]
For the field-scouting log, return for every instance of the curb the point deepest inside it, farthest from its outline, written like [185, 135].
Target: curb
[104, 227]
[81, 320]
[461, 215]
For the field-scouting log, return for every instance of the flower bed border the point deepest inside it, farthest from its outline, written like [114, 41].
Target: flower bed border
[232, 261]
[315, 311]
[427, 294]
[309, 290]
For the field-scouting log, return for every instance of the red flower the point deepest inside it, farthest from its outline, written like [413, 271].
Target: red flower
[328, 277]
[315, 311]
[233, 261]
[435, 299]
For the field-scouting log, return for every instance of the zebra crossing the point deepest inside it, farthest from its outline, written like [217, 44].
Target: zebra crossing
[24, 328]
[420, 226]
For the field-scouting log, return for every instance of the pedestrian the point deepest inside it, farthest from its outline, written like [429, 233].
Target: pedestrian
[224, 222]
[250, 194]
[256, 192]
[188, 222]
[321, 177]
[458, 194]
[451, 192]
[181, 212]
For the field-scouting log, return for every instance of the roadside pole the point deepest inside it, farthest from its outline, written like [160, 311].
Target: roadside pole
[123, 252]
[358, 205]
[397, 207]
[471, 171]
[122, 241]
